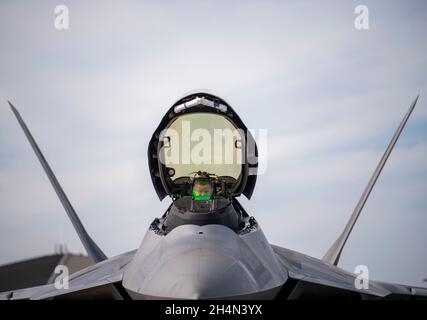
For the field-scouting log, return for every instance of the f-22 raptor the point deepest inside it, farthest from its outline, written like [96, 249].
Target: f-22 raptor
[206, 245]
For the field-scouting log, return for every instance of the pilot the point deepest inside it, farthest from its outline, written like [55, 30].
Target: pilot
[202, 189]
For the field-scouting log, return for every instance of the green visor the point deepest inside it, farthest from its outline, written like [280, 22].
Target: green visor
[202, 190]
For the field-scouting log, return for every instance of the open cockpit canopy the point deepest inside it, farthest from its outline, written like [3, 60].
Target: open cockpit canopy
[201, 135]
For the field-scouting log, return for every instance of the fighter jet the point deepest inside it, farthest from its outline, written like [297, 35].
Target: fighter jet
[206, 245]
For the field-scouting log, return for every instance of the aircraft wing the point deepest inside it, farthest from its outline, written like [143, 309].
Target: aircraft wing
[98, 281]
[311, 278]
[314, 278]
[101, 280]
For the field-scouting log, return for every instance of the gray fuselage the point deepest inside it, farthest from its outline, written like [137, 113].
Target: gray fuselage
[205, 261]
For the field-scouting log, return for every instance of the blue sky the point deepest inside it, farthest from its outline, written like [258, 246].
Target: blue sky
[329, 95]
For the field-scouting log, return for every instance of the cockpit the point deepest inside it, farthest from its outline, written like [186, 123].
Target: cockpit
[203, 157]
[201, 142]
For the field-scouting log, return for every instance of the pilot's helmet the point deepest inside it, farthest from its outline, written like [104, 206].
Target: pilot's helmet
[202, 189]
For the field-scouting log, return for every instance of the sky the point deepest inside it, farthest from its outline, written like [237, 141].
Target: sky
[329, 95]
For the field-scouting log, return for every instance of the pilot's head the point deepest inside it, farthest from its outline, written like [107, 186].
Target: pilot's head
[202, 189]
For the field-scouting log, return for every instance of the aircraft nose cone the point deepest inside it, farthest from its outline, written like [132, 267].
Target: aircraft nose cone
[200, 274]
[202, 262]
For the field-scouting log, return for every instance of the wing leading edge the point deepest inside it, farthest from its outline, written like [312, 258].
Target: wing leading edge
[311, 278]
[98, 281]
